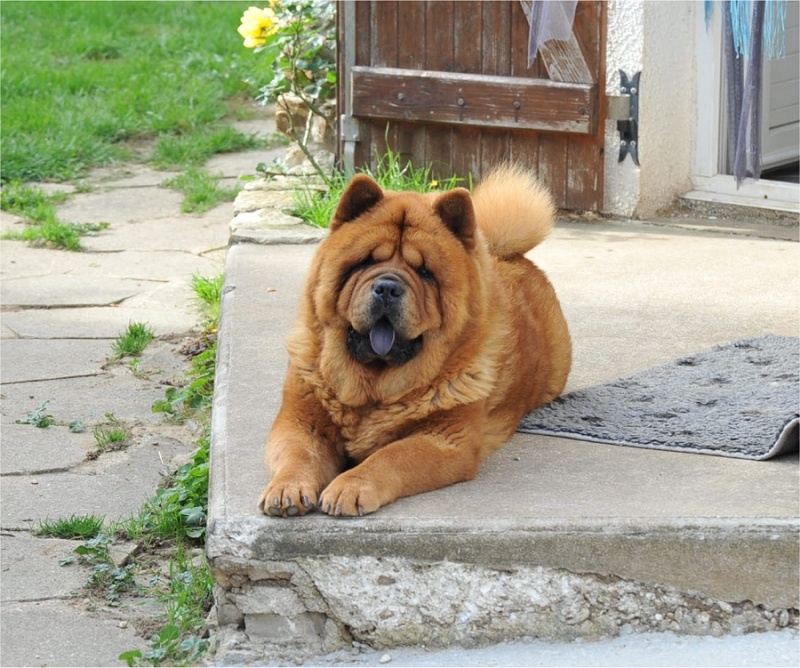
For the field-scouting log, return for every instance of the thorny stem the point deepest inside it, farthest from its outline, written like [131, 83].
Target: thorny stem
[303, 146]
[313, 111]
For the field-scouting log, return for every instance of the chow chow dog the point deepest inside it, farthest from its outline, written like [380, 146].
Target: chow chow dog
[423, 337]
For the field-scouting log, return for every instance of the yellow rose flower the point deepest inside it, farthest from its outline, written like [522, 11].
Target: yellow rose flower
[256, 25]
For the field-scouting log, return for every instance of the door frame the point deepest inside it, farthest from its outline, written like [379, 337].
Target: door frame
[710, 183]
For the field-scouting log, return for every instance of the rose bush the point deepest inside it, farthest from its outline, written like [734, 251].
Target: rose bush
[297, 41]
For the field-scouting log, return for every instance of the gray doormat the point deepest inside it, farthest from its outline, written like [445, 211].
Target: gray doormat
[735, 400]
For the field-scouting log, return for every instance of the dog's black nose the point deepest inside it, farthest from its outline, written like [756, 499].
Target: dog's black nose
[388, 290]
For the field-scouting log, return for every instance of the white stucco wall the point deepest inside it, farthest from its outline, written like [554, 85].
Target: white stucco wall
[624, 47]
[657, 38]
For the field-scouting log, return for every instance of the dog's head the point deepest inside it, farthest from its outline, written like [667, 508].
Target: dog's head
[396, 281]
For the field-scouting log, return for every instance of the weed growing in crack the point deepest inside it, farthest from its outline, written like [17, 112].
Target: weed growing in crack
[112, 434]
[201, 191]
[178, 510]
[75, 526]
[208, 292]
[41, 226]
[135, 367]
[132, 341]
[181, 403]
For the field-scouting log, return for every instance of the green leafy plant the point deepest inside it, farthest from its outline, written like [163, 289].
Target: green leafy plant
[132, 341]
[297, 40]
[38, 417]
[187, 596]
[178, 510]
[75, 526]
[183, 402]
[105, 576]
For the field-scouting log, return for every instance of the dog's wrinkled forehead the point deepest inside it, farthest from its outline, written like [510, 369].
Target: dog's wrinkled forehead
[400, 249]
[397, 236]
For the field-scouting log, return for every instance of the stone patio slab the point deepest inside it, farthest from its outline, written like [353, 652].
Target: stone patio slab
[115, 390]
[31, 568]
[115, 485]
[30, 450]
[21, 260]
[242, 163]
[120, 206]
[92, 642]
[26, 360]
[197, 234]
[95, 322]
[68, 291]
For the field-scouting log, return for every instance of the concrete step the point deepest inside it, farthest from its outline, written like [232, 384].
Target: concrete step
[555, 539]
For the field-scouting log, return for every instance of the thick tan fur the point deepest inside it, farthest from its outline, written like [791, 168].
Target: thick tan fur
[467, 337]
[514, 211]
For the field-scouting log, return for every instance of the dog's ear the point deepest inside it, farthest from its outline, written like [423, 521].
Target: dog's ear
[361, 194]
[456, 211]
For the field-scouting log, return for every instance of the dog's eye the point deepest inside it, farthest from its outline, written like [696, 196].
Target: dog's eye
[424, 273]
[368, 261]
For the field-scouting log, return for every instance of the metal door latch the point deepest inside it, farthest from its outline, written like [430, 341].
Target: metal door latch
[624, 108]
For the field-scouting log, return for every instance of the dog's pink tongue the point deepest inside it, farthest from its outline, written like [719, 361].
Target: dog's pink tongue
[381, 338]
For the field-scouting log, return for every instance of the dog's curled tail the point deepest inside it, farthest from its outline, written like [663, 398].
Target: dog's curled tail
[513, 210]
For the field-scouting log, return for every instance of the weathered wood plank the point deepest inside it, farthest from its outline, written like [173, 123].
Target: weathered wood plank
[496, 42]
[440, 40]
[466, 141]
[409, 139]
[363, 47]
[553, 165]
[584, 191]
[564, 61]
[384, 34]
[524, 148]
[467, 99]
[520, 30]
[494, 148]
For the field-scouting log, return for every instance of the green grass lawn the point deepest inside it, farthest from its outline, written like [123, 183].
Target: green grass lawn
[83, 82]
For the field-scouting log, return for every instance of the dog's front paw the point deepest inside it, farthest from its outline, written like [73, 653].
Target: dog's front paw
[350, 495]
[287, 498]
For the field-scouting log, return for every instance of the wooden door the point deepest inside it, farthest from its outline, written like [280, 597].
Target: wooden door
[446, 82]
